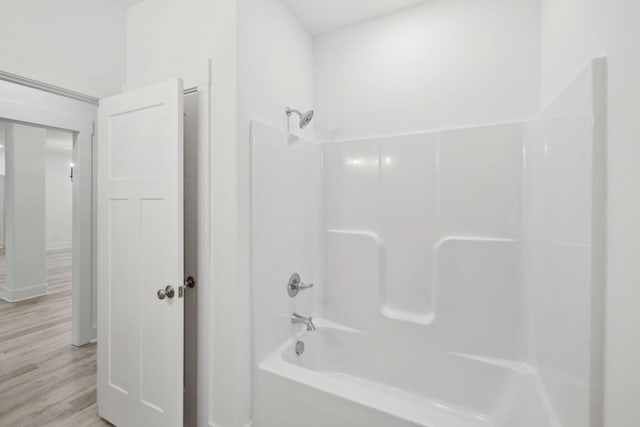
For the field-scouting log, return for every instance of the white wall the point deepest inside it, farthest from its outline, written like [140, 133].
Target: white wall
[25, 213]
[166, 39]
[59, 190]
[573, 32]
[275, 70]
[443, 64]
[48, 160]
[275, 66]
[2, 182]
[2, 174]
[75, 44]
[2, 211]
[4, 144]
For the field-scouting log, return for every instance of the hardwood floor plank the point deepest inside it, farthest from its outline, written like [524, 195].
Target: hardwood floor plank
[44, 380]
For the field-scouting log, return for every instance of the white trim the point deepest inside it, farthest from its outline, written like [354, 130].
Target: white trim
[205, 255]
[22, 294]
[46, 87]
[599, 70]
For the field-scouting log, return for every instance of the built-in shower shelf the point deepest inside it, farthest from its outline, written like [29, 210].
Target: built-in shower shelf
[399, 298]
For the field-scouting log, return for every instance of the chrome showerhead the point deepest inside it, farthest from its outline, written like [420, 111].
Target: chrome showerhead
[305, 118]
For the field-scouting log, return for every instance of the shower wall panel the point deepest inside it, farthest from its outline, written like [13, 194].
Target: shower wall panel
[563, 257]
[408, 215]
[408, 199]
[285, 212]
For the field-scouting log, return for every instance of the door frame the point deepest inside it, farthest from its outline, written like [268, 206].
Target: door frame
[200, 79]
[24, 103]
[33, 102]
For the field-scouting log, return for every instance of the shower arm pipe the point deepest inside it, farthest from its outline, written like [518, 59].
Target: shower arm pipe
[288, 112]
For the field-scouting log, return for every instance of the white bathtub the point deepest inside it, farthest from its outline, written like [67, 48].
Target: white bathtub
[346, 379]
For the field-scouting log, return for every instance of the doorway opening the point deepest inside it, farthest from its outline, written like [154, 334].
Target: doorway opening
[36, 209]
[48, 298]
[37, 166]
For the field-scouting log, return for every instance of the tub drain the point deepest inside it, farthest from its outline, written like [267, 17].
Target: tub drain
[299, 348]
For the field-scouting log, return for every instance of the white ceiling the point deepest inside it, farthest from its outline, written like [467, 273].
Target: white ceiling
[129, 3]
[323, 16]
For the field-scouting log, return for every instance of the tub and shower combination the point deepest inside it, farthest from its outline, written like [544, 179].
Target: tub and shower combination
[457, 275]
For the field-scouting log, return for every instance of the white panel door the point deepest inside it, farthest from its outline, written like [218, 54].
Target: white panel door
[140, 252]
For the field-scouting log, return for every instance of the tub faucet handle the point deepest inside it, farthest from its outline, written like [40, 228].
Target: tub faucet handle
[296, 285]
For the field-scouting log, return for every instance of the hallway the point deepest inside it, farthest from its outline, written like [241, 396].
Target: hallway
[44, 380]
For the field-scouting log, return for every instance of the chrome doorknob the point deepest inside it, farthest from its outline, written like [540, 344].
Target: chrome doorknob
[167, 292]
[170, 291]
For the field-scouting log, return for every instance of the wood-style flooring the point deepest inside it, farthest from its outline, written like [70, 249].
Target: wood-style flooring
[44, 380]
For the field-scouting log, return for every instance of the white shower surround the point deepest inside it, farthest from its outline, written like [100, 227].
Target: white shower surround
[459, 274]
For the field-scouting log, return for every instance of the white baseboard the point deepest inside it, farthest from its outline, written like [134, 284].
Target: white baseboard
[249, 424]
[58, 246]
[15, 295]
